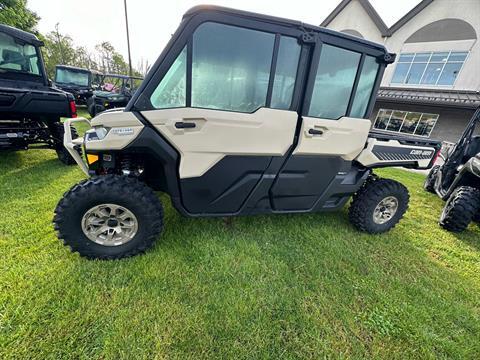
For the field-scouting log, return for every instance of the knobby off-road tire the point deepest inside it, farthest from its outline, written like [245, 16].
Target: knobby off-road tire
[91, 107]
[129, 194]
[379, 205]
[62, 153]
[429, 184]
[476, 218]
[461, 208]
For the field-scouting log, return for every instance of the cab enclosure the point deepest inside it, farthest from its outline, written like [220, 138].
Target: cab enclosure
[30, 107]
[77, 81]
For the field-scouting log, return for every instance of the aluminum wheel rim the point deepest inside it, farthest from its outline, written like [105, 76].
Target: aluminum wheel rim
[109, 224]
[385, 210]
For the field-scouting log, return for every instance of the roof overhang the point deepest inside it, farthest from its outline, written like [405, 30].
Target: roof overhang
[435, 97]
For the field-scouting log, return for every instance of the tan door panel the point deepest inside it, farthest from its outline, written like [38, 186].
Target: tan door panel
[267, 132]
[344, 137]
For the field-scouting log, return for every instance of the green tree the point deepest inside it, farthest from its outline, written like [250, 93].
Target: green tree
[59, 49]
[15, 13]
[110, 60]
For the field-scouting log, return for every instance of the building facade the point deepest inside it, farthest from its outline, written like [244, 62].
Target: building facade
[433, 88]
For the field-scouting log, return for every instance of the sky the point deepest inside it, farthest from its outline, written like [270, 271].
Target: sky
[152, 22]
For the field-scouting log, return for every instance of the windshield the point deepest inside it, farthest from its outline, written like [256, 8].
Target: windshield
[18, 58]
[71, 77]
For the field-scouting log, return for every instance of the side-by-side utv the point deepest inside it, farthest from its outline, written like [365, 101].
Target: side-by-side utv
[79, 82]
[30, 107]
[241, 114]
[458, 180]
[115, 91]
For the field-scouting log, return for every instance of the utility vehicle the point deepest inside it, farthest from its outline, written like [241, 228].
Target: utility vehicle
[30, 107]
[241, 114]
[458, 180]
[115, 91]
[79, 82]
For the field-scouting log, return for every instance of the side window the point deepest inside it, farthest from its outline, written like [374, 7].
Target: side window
[334, 81]
[285, 73]
[171, 92]
[230, 67]
[364, 87]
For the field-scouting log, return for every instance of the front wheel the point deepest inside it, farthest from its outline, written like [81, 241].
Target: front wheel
[109, 217]
[378, 206]
[461, 209]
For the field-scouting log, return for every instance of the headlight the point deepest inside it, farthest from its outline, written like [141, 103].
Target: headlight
[96, 134]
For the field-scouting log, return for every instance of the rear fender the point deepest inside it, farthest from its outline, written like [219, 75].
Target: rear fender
[393, 152]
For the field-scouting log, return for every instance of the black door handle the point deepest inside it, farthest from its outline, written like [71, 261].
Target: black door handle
[184, 125]
[315, 132]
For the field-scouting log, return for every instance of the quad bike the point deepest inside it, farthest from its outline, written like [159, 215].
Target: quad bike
[242, 114]
[79, 82]
[458, 180]
[30, 107]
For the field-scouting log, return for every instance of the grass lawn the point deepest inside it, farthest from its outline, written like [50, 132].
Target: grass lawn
[295, 286]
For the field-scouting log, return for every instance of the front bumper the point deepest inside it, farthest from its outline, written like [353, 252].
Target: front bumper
[71, 144]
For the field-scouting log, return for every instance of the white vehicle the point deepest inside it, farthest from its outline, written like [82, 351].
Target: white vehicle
[241, 114]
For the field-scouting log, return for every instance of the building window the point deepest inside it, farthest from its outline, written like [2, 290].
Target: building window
[429, 68]
[406, 122]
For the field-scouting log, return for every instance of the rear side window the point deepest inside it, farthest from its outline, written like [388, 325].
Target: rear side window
[230, 67]
[364, 87]
[334, 82]
[285, 73]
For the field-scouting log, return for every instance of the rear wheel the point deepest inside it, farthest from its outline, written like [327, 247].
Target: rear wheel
[62, 153]
[429, 184]
[91, 106]
[109, 217]
[461, 208]
[379, 205]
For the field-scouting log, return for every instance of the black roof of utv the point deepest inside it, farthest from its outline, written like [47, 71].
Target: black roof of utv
[76, 68]
[220, 14]
[20, 34]
[281, 21]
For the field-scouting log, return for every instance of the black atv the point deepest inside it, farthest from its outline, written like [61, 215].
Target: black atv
[79, 82]
[115, 92]
[458, 180]
[30, 107]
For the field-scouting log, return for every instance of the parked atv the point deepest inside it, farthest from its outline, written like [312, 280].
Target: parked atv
[30, 107]
[115, 92]
[79, 82]
[242, 114]
[458, 180]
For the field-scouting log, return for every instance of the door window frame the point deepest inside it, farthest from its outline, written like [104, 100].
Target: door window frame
[349, 45]
[184, 37]
[306, 71]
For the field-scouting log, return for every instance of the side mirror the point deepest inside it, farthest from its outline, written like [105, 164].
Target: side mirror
[50, 82]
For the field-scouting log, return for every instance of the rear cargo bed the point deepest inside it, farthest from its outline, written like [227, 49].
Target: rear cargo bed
[385, 149]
